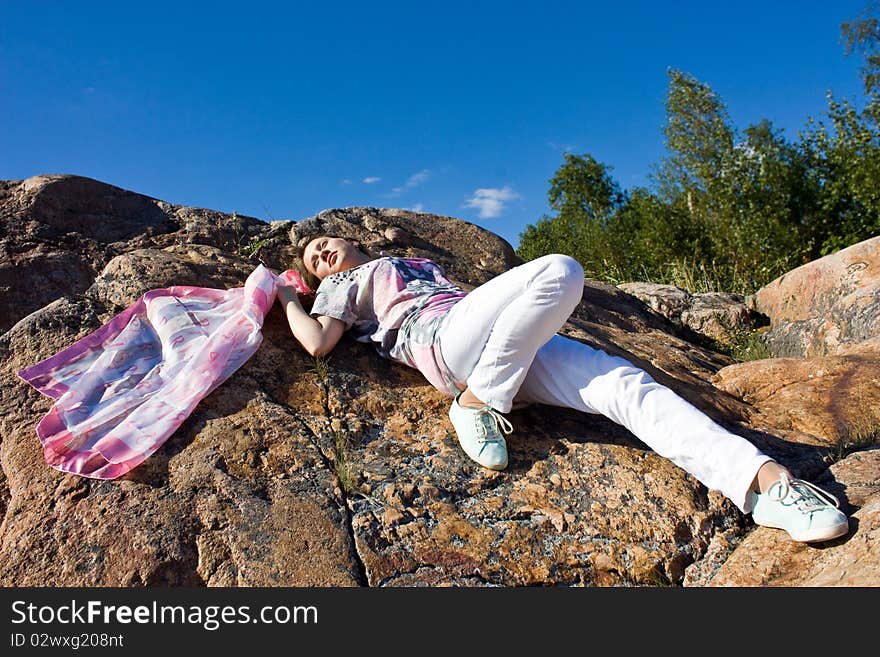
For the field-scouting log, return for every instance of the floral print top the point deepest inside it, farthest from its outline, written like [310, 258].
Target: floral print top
[398, 303]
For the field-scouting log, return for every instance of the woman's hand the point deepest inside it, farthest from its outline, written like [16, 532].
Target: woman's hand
[294, 278]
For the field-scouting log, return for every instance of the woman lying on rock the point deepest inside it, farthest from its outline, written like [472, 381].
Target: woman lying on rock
[497, 345]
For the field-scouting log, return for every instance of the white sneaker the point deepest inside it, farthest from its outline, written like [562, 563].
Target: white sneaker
[804, 510]
[479, 433]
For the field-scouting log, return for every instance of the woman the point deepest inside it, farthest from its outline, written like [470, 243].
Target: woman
[497, 346]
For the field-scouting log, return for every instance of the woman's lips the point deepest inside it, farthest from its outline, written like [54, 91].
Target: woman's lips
[333, 258]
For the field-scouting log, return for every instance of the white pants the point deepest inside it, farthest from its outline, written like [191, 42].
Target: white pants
[501, 340]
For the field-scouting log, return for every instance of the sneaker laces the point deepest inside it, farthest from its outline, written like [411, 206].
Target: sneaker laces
[502, 425]
[805, 495]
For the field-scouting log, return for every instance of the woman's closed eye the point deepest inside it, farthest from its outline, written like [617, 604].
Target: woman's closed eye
[318, 250]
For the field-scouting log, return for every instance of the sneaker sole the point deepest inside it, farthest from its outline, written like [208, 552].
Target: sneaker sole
[815, 536]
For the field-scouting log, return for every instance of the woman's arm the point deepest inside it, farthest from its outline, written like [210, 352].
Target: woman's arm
[317, 336]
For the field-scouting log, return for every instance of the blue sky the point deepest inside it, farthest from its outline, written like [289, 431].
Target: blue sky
[281, 110]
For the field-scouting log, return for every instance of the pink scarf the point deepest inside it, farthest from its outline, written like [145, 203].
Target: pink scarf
[122, 390]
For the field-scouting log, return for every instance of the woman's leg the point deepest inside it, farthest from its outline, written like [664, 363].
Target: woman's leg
[490, 337]
[571, 374]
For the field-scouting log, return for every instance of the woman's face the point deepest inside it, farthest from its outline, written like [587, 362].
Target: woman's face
[328, 255]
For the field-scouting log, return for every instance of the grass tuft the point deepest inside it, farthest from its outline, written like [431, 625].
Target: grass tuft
[858, 436]
[322, 369]
[244, 246]
[347, 478]
[657, 578]
[747, 344]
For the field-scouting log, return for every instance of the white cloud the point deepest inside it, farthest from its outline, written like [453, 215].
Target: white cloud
[413, 181]
[369, 180]
[491, 201]
[418, 207]
[561, 148]
[346, 181]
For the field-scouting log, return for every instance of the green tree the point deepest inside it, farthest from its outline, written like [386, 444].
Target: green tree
[545, 237]
[652, 234]
[844, 157]
[699, 140]
[701, 174]
[743, 192]
[582, 190]
[845, 169]
[769, 201]
[863, 35]
[586, 199]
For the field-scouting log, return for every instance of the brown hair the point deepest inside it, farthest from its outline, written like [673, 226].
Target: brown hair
[299, 263]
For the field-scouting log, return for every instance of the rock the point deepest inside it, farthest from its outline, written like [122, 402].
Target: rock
[469, 254]
[825, 305]
[207, 508]
[834, 398]
[668, 300]
[128, 276]
[768, 557]
[61, 205]
[59, 231]
[345, 471]
[719, 316]
[424, 514]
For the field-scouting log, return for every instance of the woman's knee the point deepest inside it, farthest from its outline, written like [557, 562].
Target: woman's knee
[555, 278]
[569, 275]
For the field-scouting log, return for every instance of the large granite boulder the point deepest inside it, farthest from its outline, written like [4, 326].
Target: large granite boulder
[719, 316]
[345, 471]
[762, 560]
[835, 399]
[57, 233]
[468, 254]
[824, 305]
